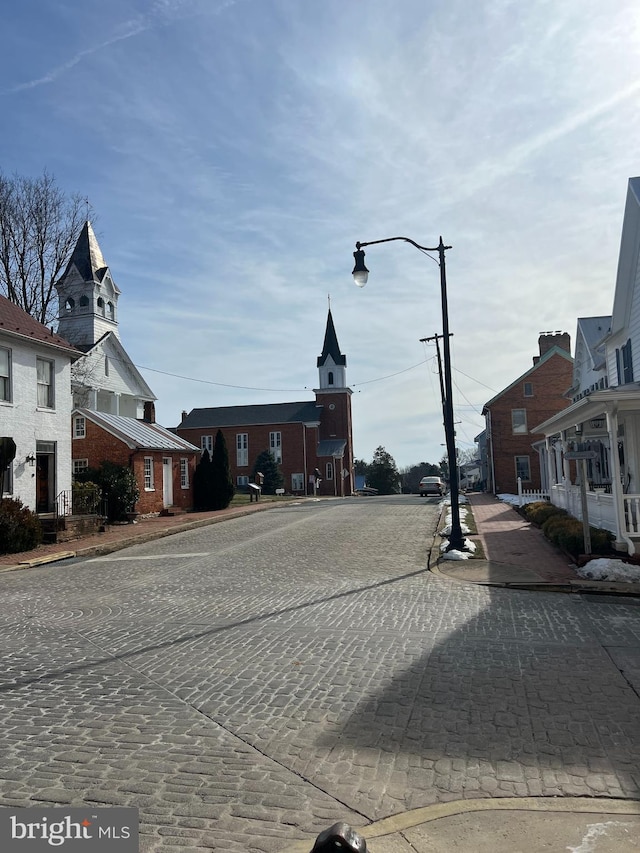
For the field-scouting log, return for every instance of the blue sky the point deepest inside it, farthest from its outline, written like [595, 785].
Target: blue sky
[233, 153]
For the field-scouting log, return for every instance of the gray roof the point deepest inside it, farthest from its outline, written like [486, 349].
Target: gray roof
[139, 435]
[594, 329]
[268, 413]
[331, 447]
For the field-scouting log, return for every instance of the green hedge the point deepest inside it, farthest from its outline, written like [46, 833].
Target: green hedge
[566, 532]
[539, 511]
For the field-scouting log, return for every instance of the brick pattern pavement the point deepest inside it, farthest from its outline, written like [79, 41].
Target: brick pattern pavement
[507, 538]
[249, 683]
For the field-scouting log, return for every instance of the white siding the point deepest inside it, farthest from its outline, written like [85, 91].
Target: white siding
[26, 424]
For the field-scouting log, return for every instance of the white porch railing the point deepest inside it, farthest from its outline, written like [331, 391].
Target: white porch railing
[601, 510]
[632, 514]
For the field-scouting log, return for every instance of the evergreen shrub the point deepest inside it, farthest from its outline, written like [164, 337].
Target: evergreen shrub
[539, 511]
[20, 528]
[566, 532]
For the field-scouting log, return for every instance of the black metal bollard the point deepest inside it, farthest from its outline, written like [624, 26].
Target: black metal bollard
[340, 837]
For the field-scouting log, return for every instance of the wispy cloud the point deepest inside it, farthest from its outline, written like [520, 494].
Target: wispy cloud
[162, 13]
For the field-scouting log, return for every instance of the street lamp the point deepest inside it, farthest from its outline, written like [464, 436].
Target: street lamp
[360, 276]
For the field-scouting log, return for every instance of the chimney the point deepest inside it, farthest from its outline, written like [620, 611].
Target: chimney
[184, 415]
[149, 415]
[548, 340]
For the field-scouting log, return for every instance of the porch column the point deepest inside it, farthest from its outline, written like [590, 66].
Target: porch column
[622, 540]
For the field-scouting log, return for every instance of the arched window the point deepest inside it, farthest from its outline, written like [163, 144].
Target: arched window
[101, 305]
[84, 300]
[331, 377]
[69, 305]
[111, 309]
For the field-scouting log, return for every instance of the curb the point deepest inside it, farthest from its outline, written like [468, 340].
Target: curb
[427, 814]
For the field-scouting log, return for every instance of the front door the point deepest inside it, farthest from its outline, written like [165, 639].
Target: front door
[42, 482]
[167, 482]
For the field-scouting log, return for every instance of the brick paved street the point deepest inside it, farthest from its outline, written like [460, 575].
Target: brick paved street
[248, 684]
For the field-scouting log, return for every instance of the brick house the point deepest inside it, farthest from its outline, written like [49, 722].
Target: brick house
[163, 463]
[531, 399]
[311, 440]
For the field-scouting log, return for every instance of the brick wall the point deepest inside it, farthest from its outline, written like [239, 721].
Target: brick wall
[99, 445]
[549, 380]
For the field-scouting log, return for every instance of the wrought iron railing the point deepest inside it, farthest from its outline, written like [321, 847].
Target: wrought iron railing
[81, 500]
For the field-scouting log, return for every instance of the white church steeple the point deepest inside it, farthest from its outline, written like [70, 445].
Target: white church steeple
[87, 295]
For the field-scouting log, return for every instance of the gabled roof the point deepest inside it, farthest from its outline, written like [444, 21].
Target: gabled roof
[138, 435]
[16, 322]
[628, 258]
[110, 339]
[593, 330]
[331, 346]
[87, 257]
[543, 359]
[269, 413]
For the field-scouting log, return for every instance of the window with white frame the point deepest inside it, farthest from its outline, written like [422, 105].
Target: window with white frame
[519, 421]
[528, 389]
[148, 474]
[242, 480]
[79, 427]
[184, 473]
[329, 471]
[5, 375]
[80, 465]
[206, 443]
[275, 445]
[44, 369]
[297, 482]
[242, 449]
[523, 468]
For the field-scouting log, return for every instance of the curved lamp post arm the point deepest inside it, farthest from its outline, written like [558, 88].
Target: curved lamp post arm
[360, 275]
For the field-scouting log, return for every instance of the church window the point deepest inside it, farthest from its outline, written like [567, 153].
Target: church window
[275, 445]
[330, 377]
[69, 305]
[329, 470]
[101, 305]
[242, 449]
[84, 300]
[106, 365]
[111, 309]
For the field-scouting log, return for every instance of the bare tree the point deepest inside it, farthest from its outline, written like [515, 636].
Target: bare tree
[39, 226]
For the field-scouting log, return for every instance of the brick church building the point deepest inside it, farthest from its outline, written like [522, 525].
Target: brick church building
[310, 440]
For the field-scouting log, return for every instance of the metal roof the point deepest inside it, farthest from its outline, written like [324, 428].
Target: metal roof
[138, 434]
[332, 447]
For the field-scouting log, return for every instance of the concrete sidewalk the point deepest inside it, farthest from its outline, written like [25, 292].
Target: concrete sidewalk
[506, 825]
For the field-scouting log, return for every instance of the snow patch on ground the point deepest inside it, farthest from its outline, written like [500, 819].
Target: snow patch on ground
[608, 569]
[467, 554]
